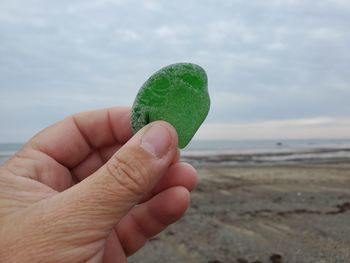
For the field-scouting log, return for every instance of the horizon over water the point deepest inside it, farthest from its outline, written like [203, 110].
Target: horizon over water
[249, 152]
[266, 152]
[266, 144]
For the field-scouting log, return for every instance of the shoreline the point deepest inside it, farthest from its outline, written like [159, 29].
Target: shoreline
[256, 153]
[269, 158]
[255, 160]
[273, 210]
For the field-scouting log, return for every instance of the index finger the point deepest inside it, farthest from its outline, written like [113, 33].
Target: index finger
[71, 140]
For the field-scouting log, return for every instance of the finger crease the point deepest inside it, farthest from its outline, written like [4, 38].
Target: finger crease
[118, 170]
[158, 219]
[122, 244]
[35, 165]
[85, 137]
[101, 156]
[138, 227]
[109, 121]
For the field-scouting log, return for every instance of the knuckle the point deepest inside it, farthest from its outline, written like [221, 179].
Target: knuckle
[129, 173]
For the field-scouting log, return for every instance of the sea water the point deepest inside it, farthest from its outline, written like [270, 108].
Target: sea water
[8, 149]
[254, 152]
[249, 151]
[264, 145]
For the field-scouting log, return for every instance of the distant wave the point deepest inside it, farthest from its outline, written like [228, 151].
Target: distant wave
[236, 153]
[7, 150]
[260, 157]
[4, 157]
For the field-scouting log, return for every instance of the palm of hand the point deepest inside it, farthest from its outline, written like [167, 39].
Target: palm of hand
[35, 183]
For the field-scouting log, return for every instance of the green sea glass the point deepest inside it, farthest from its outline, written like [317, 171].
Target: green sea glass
[177, 94]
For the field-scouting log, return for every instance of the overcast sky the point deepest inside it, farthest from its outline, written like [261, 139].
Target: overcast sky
[276, 69]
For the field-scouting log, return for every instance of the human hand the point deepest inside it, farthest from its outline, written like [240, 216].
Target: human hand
[83, 190]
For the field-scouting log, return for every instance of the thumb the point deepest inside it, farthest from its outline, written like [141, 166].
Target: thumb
[76, 222]
[108, 194]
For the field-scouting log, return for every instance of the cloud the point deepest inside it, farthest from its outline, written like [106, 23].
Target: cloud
[152, 5]
[172, 32]
[276, 46]
[327, 34]
[127, 35]
[266, 60]
[318, 128]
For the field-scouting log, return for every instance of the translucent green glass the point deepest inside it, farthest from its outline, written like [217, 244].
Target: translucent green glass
[177, 94]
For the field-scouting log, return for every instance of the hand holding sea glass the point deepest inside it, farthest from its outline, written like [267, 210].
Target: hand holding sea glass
[177, 94]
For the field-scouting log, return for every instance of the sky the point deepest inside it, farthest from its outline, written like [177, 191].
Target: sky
[276, 69]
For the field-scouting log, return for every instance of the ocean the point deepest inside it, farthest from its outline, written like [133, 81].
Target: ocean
[249, 152]
[267, 152]
[8, 149]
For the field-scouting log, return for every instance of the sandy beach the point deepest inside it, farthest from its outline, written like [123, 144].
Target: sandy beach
[287, 204]
[297, 213]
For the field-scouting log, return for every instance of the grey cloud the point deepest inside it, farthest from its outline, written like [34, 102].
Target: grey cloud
[265, 59]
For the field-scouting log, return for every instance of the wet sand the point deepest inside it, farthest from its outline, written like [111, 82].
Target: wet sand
[294, 214]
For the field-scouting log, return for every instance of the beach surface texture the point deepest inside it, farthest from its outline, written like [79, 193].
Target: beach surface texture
[293, 214]
[290, 206]
[260, 202]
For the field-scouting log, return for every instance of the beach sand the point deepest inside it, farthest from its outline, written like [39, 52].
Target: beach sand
[294, 214]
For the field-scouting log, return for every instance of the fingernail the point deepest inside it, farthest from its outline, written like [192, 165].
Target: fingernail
[156, 140]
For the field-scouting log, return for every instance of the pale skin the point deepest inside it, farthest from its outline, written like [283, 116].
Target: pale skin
[86, 190]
